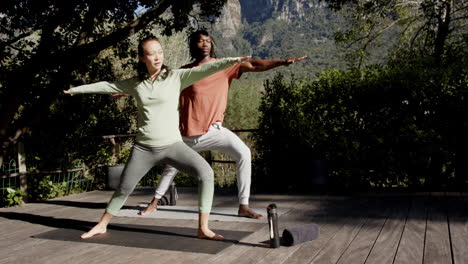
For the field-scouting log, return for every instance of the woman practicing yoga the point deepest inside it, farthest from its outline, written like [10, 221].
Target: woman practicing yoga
[156, 90]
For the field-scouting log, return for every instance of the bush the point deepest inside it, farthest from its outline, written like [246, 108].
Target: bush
[377, 127]
[12, 198]
[41, 188]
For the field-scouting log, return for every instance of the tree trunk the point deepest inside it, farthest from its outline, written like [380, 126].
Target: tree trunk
[443, 29]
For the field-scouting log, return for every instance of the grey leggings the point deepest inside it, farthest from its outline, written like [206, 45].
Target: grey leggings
[178, 155]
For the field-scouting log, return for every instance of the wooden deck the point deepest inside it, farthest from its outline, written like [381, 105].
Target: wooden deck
[364, 228]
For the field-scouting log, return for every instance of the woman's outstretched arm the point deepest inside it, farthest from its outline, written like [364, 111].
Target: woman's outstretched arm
[193, 75]
[118, 87]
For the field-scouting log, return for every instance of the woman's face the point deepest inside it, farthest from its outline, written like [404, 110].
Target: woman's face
[153, 56]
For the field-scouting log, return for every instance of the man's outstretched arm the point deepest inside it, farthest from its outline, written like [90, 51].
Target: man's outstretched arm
[265, 65]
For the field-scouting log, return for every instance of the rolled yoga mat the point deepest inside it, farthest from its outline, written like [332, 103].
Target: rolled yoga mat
[300, 234]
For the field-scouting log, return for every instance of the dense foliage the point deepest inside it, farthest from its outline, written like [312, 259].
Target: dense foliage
[377, 127]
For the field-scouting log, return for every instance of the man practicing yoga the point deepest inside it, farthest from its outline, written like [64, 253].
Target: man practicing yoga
[202, 107]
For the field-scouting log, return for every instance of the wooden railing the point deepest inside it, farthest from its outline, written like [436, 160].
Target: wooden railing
[20, 172]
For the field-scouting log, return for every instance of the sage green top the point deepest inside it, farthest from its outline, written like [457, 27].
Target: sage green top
[158, 100]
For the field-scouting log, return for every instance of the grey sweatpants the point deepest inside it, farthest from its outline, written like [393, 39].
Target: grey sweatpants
[178, 155]
[220, 139]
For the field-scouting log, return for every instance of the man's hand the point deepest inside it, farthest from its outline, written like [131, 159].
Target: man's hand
[259, 65]
[243, 59]
[290, 61]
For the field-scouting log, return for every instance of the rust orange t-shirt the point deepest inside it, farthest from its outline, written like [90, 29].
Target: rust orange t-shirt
[204, 103]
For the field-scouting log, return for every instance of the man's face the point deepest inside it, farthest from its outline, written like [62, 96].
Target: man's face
[204, 45]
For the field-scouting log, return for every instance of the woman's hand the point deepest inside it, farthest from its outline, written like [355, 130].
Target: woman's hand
[67, 92]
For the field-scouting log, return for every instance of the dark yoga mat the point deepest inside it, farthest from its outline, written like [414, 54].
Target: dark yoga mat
[300, 234]
[155, 237]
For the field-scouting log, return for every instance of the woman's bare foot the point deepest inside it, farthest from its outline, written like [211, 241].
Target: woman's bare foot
[208, 234]
[96, 230]
[153, 206]
[246, 211]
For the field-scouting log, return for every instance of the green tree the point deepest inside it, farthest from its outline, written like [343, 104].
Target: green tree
[47, 46]
[427, 27]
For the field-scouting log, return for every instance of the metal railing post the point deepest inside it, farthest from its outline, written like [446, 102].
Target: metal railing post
[23, 177]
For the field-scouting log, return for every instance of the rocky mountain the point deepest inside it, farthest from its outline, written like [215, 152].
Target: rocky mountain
[287, 10]
[230, 21]
[251, 11]
[279, 28]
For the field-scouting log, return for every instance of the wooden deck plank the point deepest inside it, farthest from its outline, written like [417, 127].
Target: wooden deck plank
[354, 229]
[110, 254]
[308, 251]
[437, 244]
[458, 223]
[411, 249]
[25, 247]
[342, 248]
[387, 242]
[359, 249]
[335, 214]
[340, 242]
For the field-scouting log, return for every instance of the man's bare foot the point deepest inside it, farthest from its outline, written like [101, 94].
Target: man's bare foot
[153, 206]
[96, 230]
[246, 211]
[208, 234]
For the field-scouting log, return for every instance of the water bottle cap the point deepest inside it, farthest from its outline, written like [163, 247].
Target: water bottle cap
[271, 209]
[271, 206]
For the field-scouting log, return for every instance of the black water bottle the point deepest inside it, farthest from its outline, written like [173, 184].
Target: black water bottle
[172, 194]
[273, 224]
